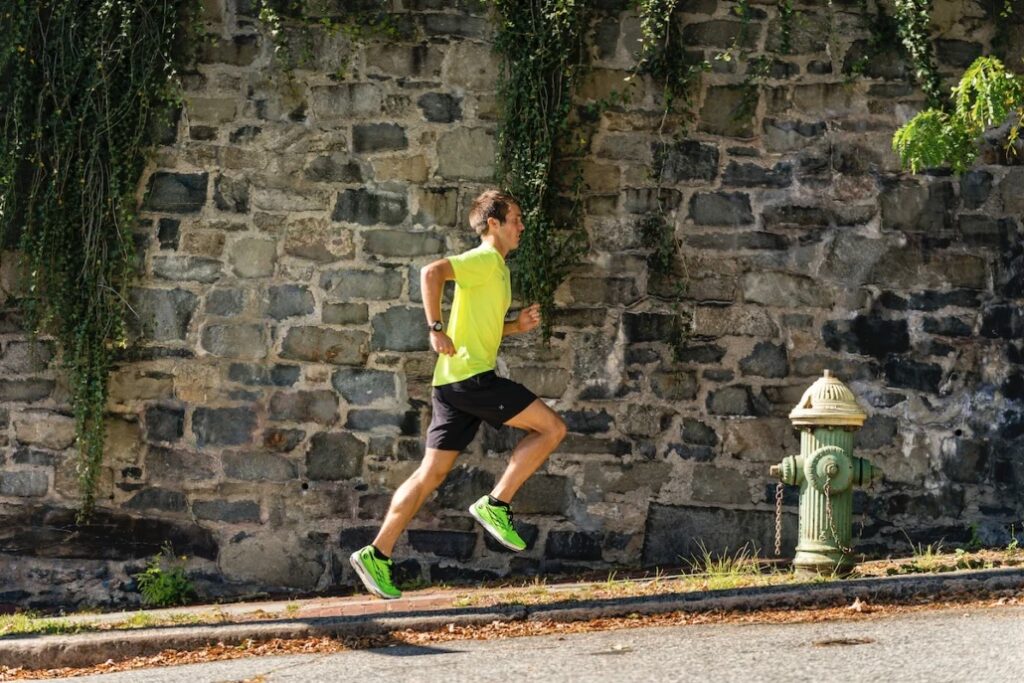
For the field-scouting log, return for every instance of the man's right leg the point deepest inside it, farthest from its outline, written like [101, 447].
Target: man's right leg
[410, 496]
[373, 563]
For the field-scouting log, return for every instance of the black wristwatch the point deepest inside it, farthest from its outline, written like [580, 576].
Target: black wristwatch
[437, 326]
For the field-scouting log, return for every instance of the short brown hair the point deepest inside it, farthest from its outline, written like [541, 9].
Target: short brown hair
[490, 204]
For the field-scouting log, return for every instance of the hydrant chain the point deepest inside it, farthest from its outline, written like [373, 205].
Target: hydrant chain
[778, 518]
[831, 520]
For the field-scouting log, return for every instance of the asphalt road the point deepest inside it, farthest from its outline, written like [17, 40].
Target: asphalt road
[982, 645]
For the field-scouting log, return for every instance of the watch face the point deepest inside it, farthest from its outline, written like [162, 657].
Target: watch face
[437, 326]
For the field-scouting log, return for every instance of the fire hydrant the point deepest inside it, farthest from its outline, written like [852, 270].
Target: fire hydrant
[826, 471]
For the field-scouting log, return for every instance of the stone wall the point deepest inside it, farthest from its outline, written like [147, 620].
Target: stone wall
[277, 389]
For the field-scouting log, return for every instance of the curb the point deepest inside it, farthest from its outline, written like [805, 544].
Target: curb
[89, 649]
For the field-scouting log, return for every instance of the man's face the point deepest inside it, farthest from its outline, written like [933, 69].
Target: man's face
[512, 229]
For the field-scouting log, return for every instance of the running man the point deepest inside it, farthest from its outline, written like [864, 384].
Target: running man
[466, 390]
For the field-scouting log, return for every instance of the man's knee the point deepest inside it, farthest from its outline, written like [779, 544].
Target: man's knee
[431, 477]
[556, 429]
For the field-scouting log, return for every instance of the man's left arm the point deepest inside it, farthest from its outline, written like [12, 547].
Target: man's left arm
[527, 320]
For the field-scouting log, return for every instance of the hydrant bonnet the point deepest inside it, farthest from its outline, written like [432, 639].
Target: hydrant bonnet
[828, 402]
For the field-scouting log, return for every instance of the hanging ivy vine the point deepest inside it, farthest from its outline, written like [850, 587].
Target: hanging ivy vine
[81, 87]
[913, 19]
[540, 43]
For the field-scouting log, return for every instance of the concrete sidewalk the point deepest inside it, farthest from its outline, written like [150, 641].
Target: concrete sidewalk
[425, 610]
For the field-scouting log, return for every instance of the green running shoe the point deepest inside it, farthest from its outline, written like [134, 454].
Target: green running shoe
[375, 573]
[497, 521]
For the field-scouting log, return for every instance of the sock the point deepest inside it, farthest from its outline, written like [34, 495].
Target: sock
[497, 503]
[378, 554]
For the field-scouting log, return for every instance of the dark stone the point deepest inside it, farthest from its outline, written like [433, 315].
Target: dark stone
[455, 25]
[26, 390]
[231, 194]
[244, 134]
[161, 314]
[975, 187]
[753, 175]
[345, 314]
[261, 375]
[258, 467]
[649, 327]
[721, 208]
[176, 192]
[878, 431]
[368, 208]
[957, 53]
[175, 465]
[573, 545]
[334, 455]
[686, 160]
[232, 512]
[362, 387]
[51, 532]
[909, 374]
[932, 301]
[985, 231]
[590, 445]
[402, 243]
[700, 353]
[1013, 387]
[400, 329]
[463, 486]
[721, 33]
[587, 421]
[378, 137]
[285, 301]
[24, 483]
[999, 321]
[202, 133]
[543, 494]
[949, 326]
[731, 400]
[317, 405]
[457, 544]
[325, 345]
[527, 532]
[912, 207]
[675, 386]
[886, 61]
[766, 360]
[819, 67]
[440, 107]
[729, 111]
[168, 232]
[223, 426]
[354, 538]
[36, 456]
[158, 499]
[648, 199]
[334, 168]
[460, 575]
[868, 335]
[282, 440]
[164, 423]
[694, 453]
[225, 302]
[797, 216]
[674, 534]
[697, 433]
[407, 422]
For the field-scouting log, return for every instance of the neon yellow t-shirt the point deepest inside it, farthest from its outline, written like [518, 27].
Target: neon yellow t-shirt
[483, 293]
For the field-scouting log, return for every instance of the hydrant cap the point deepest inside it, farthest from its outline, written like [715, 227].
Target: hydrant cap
[828, 402]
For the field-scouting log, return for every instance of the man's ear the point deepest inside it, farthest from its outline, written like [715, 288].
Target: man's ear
[492, 224]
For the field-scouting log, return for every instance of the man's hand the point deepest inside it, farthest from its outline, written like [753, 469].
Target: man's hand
[528, 318]
[442, 343]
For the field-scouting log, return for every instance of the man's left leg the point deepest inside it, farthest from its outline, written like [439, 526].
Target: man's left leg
[546, 430]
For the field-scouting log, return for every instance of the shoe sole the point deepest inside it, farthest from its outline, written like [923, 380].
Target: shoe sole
[497, 537]
[367, 580]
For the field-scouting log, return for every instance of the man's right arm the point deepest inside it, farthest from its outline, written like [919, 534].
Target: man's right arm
[432, 279]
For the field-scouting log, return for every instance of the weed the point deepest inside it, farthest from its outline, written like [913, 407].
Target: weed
[164, 582]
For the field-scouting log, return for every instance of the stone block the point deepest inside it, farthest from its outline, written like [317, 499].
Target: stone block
[573, 545]
[471, 66]
[370, 208]
[186, 268]
[1011, 197]
[608, 291]
[364, 386]
[399, 328]
[440, 107]
[807, 34]
[785, 290]
[382, 285]
[404, 61]
[231, 194]
[277, 560]
[878, 431]
[378, 137]
[256, 466]
[235, 341]
[975, 188]
[266, 376]
[650, 327]
[24, 483]
[542, 381]
[686, 160]
[286, 301]
[406, 422]
[346, 101]
[254, 257]
[729, 111]
[680, 385]
[240, 50]
[225, 302]
[754, 175]
[211, 110]
[21, 357]
[456, 25]
[334, 456]
[456, 544]
[162, 500]
[732, 400]
[282, 440]
[712, 484]
[766, 360]
[229, 511]
[717, 321]
[26, 390]
[912, 207]
[829, 100]
[959, 54]
[337, 167]
[647, 200]
[175, 466]
[223, 426]
[324, 345]
[868, 335]
[674, 534]
[911, 374]
[721, 33]
[641, 420]
[437, 206]
[463, 486]
[409, 169]
[790, 136]
[949, 326]
[985, 231]
[164, 423]
[168, 233]
[466, 154]
[721, 208]
[402, 243]
[320, 406]
[345, 314]
[176, 192]
[733, 241]
[587, 421]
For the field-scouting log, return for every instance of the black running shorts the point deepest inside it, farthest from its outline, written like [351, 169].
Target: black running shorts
[459, 408]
